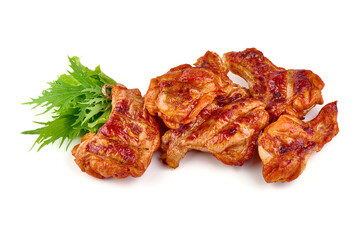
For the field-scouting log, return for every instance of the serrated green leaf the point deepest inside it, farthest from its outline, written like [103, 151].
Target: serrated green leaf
[76, 102]
[93, 111]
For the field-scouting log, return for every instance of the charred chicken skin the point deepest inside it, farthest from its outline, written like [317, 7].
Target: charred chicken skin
[178, 96]
[227, 128]
[286, 145]
[293, 92]
[124, 145]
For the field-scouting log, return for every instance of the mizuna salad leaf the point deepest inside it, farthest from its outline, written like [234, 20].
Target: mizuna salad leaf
[76, 103]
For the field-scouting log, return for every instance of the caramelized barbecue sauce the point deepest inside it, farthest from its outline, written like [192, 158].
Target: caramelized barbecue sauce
[301, 81]
[277, 86]
[111, 129]
[299, 145]
[113, 149]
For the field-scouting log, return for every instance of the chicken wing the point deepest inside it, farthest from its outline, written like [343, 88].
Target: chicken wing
[227, 128]
[178, 96]
[124, 145]
[286, 145]
[293, 92]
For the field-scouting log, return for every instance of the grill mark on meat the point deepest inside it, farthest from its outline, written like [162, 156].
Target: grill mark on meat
[112, 149]
[301, 81]
[111, 129]
[299, 146]
[136, 129]
[122, 106]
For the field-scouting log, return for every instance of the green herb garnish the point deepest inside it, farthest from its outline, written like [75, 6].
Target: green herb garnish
[76, 102]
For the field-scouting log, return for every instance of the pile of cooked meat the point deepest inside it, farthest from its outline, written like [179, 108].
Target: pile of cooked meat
[204, 110]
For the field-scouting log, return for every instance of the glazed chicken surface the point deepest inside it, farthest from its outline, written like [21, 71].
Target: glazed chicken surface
[228, 128]
[286, 145]
[179, 95]
[293, 92]
[124, 145]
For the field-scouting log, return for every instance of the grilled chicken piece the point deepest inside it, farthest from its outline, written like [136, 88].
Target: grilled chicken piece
[286, 145]
[227, 128]
[293, 92]
[178, 96]
[124, 145]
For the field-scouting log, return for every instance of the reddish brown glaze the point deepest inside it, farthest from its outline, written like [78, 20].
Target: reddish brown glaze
[124, 145]
[228, 128]
[122, 106]
[301, 81]
[178, 96]
[292, 92]
[285, 145]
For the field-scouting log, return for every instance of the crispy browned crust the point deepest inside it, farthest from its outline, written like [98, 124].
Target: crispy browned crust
[179, 95]
[124, 145]
[227, 128]
[293, 92]
[286, 145]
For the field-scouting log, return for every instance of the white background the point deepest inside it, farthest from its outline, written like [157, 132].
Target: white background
[44, 195]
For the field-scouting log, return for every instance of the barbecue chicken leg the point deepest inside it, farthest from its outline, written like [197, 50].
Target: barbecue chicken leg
[124, 145]
[227, 128]
[293, 92]
[286, 145]
[179, 95]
